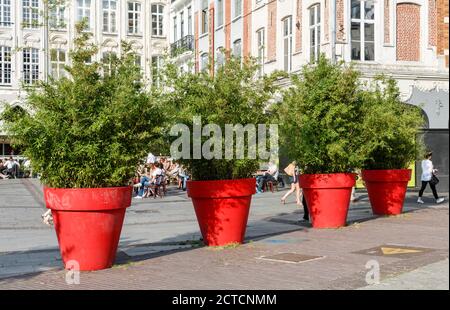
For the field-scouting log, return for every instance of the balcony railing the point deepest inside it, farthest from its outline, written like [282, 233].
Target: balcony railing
[182, 45]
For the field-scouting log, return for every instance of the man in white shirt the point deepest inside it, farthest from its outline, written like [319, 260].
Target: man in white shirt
[270, 175]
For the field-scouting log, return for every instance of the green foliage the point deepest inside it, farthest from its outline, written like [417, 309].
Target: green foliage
[390, 128]
[92, 128]
[320, 118]
[231, 96]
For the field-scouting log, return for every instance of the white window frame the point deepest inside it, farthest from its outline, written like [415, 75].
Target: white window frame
[315, 28]
[157, 20]
[134, 17]
[237, 8]
[57, 65]
[30, 65]
[287, 42]
[30, 13]
[5, 65]
[156, 68]
[204, 61]
[237, 47]
[181, 24]
[204, 18]
[362, 21]
[220, 13]
[109, 16]
[5, 13]
[57, 17]
[189, 12]
[220, 57]
[175, 28]
[84, 11]
[261, 49]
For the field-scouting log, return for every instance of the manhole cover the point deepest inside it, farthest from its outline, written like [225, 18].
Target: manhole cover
[398, 251]
[290, 258]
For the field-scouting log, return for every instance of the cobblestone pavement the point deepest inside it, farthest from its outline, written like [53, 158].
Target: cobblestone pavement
[159, 247]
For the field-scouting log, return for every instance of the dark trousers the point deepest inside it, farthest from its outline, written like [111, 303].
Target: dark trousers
[305, 209]
[433, 189]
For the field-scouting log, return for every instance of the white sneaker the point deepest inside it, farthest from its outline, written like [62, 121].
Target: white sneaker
[138, 197]
[419, 200]
[440, 200]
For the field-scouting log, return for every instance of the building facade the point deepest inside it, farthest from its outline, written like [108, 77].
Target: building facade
[29, 52]
[406, 39]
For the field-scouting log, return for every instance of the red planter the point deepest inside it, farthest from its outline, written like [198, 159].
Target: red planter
[222, 209]
[328, 197]
[387, 189]
[88, 222]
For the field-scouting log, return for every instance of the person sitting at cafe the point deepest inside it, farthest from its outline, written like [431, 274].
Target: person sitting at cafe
[270, 175]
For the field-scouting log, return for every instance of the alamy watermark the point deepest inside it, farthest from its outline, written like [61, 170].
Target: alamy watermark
[373, 275]
[236, 141]
[73, 272]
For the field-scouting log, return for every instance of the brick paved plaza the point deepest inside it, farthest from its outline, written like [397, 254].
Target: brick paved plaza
[160, 247]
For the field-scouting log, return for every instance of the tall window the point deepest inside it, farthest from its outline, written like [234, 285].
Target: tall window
[30, 65]
[237, 8]
[109, 15]
[220, 58]
[134, 15]
[157, 19]
[314, 32]
[30, 13]
[84, 11]
[156, 68]
[175, 29]
[204, 62]
[363, 30]
[287, 43]
[237, 48]
[204, 16]
[260, 36]
[189, 20]
[56, 17]
[58, 60]
[219, 13]
[138, 60]
[181, 24]
[5, 65]
[5, 13]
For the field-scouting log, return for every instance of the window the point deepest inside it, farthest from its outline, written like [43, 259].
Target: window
[84, 11]
[260, 36]
[109, 15]
[156, 68]
[237, 50]
[204, 16]
[363, 30]
[30, 65]
[189, 20]
[5, 65]
[30, 13]
[287, 43]
[175, 29]
[138, 60]
[58, 60]
[5, 12]
[182, 25]
[219, 13]
[237, 8]
[220, 58]
[134, 14]
[314, 32]
[204, 62]
[107, 59]
[157, 19]
[56, 18]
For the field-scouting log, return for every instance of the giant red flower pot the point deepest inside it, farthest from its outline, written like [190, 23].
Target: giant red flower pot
[222, 209]
[386, 189]
[88, 222]
[328, 197]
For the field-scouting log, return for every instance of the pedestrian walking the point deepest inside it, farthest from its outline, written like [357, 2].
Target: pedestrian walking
[292, 171]
[429, 177]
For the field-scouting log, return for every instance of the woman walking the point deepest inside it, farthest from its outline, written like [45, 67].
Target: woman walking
[292, 171]
[428, 177]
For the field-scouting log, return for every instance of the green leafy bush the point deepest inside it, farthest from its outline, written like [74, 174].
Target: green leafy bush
[390, 128]
[231, 96]
[89, 129]
[321, 116]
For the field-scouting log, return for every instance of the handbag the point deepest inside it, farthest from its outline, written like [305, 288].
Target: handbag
[434, 180]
